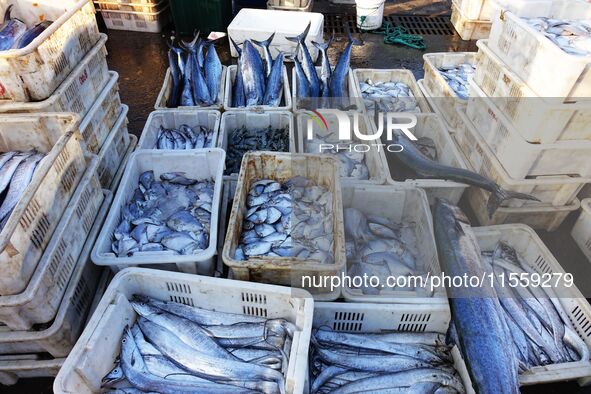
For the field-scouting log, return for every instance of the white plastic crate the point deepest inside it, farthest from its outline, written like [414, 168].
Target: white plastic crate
[475, 9]
[287, 271]
[232, 120]
[196, 164]
[443, 98]
[147, 22]
[374, 157]
[431, 126]
[301, 104]
[101, 117]
[519, 157]
[381, 318]
[166, 90]
[284, 105]
[146, 8]
[228, 191]
[253, 24]
[61, 334]
[536, 255]
[402, 205]
[390, 75]
[39, 302]
[433, 104]
[34, 72]
[13, 368]
[33, 220]
[555, 190]
[114, 150]
[119, 174]
[78, 92]
[173, 119]
[581, 231]
[98, 347]
[290, 5]
[468, 29]
[536, 119]
[537, 60]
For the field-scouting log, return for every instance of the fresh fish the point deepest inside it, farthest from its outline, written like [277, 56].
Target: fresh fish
[18, 184]
[238, 98]
[338, 80]
[307, 63]
[187, 91]
[326, 71]
[274, 87]
[213, 72]
[476, 313]
[11, 30]
[10, 165]
[32, 33]
[457, 78]
[176, 72]
[412, 157]
[268, 58]
[303, 85]
[252, 74]
[572, 36]
[390, 96]
[244, 140]
[201, 94]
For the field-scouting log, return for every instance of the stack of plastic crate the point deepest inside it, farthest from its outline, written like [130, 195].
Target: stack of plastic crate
[149, 16]
[471, 18]
[527, 124]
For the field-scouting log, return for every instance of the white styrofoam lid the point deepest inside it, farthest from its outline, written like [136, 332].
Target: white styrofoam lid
[269, 21]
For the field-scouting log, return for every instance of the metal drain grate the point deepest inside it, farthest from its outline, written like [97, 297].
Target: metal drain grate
[424, 25]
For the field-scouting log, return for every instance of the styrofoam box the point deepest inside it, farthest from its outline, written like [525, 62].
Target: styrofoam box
[173, 119]
[556, 190]
[15, 367]
[581, 231]
[114, 150]
[379, 318]
[519, 157]
[253, 24]
[431, 126]
[78, 92]
[390, 75]
[290, 5]
[132, 6]
[374, 157]
[33, 220]
[70, 312]
[152, 22]
[34, 72]
[302, 103]
[537, 119]
[95, 352]
[39, 302]
[536, 59]
[162, 99]
[322, 170]
[101, 117]
[475, 9]
[123, 162]
[468, 29]
[536, 255]
[444, 99]
[232, 120]
[284, 105]
[196, 164]
[401, 205]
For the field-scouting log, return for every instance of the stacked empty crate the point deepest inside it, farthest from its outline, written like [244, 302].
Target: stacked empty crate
[524, 127]
[59, 98]
[471, 18]
[149, 16]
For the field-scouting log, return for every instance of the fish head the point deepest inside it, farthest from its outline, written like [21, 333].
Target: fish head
[446, 212]
[116, 375]
[141, 305]
[130, 353]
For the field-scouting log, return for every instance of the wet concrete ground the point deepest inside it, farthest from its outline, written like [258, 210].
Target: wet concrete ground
[140, 60]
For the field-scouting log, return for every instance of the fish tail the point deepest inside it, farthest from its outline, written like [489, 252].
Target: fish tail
[500, 195]
[353, 41]
[302, 36]
[236, 46]
[322, 46]
[192, 43]
[266, 43]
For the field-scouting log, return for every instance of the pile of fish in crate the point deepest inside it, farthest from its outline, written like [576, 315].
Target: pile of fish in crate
[63, 141]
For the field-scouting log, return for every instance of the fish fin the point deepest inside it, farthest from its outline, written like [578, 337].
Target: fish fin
[266, 43]
[496, 199]
[323, 45]
[302, 36]
[192, 43]
[235, 46]
[8, 12]
[352, 40]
